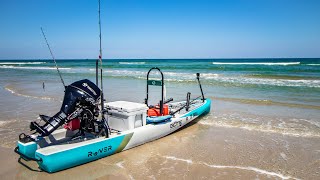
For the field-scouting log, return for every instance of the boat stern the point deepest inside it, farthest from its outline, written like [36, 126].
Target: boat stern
[26, 150]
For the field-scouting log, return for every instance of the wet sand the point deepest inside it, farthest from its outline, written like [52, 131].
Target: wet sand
[196, 152]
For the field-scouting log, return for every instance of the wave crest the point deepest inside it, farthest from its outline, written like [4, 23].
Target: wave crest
[34, 68]
[21, 63]
[257, 63]
[132, 63]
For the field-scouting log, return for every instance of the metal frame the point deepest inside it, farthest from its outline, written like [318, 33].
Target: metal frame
[162, 85]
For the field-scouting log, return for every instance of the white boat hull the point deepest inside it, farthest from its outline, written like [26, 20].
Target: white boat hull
[56, 157]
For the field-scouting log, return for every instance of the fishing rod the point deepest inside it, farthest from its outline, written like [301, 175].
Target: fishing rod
[105, 123]
[54, 60]
[100, 59]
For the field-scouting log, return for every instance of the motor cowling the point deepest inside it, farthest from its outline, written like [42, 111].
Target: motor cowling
[80, 99]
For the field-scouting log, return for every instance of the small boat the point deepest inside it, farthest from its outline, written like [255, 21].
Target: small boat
[87, 128]
[85, 137]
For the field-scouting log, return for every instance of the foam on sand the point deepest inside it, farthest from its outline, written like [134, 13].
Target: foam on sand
[2, 123]
[249, 168]
[178, 159]
[246, 168]
[27, 96]
[281, 127]
[120, 164]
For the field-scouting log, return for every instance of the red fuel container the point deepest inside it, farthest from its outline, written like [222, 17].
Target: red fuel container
[73, 125]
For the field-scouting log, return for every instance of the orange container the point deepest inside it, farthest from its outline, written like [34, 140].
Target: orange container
[156, 111]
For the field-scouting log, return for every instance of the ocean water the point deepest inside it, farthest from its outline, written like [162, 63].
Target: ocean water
[292, 81]
[270, 87]
[272, 102]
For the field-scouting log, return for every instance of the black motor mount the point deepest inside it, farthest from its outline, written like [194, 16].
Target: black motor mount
[81, 96]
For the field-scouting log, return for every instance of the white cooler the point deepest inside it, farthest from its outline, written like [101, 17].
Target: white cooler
[126, 115]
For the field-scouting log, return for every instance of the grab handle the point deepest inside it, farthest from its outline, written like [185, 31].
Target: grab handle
[16, 150]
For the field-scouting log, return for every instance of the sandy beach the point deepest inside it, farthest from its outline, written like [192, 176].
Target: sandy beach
[196, 152]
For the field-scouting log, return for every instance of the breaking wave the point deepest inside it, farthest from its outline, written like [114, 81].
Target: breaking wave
[212, 78]
[267, 102]
[132, 62]
[257, 63]
[21, 63]
[274, 82]
[33, 68]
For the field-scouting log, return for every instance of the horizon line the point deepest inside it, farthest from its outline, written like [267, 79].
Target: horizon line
[46, 59]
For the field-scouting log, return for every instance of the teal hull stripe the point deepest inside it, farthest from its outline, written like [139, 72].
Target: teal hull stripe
[28, 149]
[79, 155]
[205, 108]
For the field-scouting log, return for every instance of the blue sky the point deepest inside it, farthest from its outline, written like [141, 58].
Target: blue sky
[160, 28]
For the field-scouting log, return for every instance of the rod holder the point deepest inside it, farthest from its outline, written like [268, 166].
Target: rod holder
[198, 78]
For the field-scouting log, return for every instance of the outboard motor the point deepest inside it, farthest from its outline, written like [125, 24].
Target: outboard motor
[80, 102]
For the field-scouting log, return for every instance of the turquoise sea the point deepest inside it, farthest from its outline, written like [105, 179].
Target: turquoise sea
[295, 81]
[280, 83]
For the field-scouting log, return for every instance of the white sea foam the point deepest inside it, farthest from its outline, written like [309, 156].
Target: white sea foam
[246, 168]
[34, 68]
[257, 63]
[27, 96]
[249, 168]
[312, 64]
[125, 73]
[264, 81]
[2, 123]
[283, 155]
[120, 164]
[268, 128]
[21, 63]
[132, 62]
[178, 159]
[188, 77]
